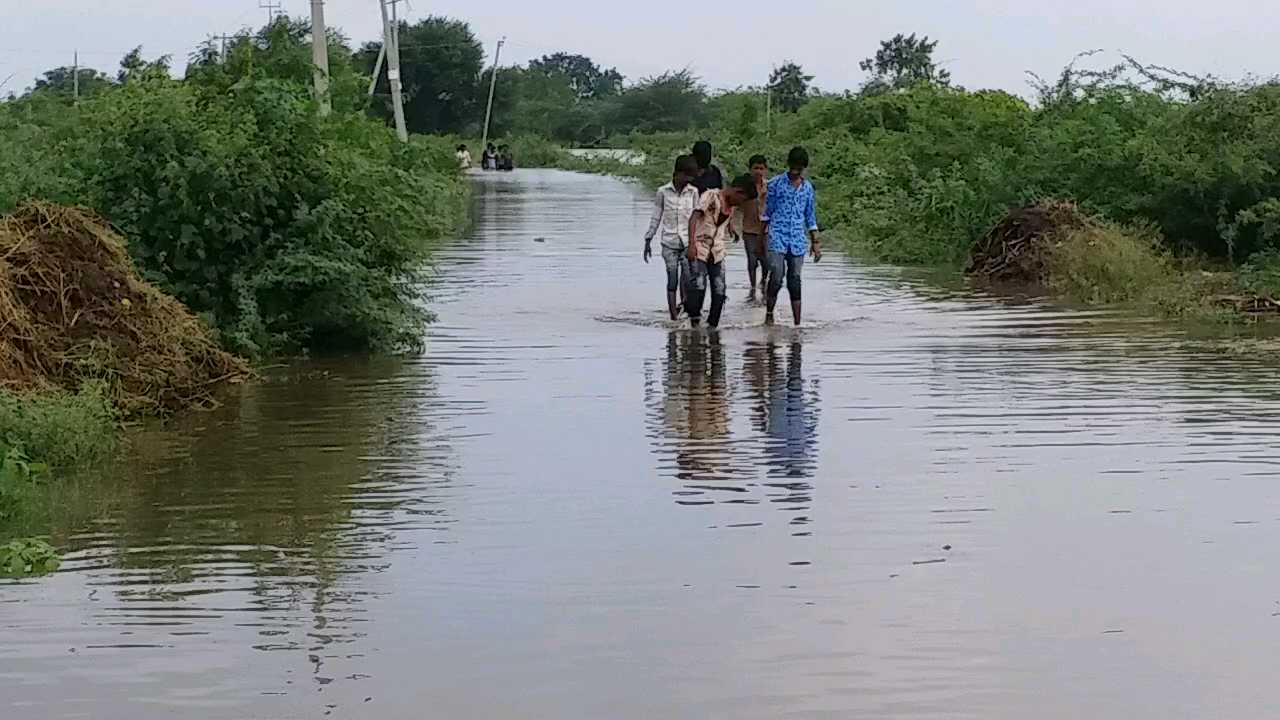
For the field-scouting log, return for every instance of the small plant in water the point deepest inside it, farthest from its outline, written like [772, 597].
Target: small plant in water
[27, 557]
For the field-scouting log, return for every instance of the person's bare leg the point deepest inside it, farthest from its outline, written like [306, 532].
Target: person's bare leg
[795, 311]
[672, 308]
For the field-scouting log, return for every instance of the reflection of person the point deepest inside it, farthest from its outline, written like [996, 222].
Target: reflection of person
[708, 230]
[695, 406]
[792, 218]
[672, 208]
[786, 408]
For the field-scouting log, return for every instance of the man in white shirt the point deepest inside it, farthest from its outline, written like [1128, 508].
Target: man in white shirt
[464, 157]
[673, 206]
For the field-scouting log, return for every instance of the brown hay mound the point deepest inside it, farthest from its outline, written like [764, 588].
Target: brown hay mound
[73, 308]
[1017, 249]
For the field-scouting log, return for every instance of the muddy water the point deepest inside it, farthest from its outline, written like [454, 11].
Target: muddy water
[925, 505]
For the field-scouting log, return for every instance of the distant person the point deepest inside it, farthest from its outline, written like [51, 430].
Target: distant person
[506, 161]
[708, 230]
[791, 216]
[673, 207]
[489, 159]
[753, 231]
[709, 177]
[464, 158]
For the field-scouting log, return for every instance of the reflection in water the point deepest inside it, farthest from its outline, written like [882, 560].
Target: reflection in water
[251, 527]
[691, 407]
[785, 410]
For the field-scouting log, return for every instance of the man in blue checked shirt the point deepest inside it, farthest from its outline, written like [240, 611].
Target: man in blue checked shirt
[791, 214]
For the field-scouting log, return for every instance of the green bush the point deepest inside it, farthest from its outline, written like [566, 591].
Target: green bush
[59, 428]
[289, 231]
[26, 557]
[1105, 263]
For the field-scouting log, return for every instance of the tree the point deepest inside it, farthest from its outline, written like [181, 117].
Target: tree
[670, 102]
[280, 50]
[440, 65]
[61, 82]
[901, 62]
[587, 80]
[134, 67]
[789, 86]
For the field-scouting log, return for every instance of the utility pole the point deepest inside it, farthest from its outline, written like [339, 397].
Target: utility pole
[377, 69]
[493, 82]
[393, 70]
[272, 7]
[768, 113]
[75, 79]
[320, 56]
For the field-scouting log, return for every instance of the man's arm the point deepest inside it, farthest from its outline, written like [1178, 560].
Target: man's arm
[811, 217]
[694, 219]
[656, 221]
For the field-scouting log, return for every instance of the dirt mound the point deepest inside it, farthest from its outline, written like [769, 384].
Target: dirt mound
[1017, 249]
[73, 308]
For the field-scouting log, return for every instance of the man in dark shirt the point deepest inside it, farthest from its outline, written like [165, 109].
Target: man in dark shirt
[709, 177]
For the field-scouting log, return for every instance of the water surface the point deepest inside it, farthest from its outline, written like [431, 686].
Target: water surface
[926, 504]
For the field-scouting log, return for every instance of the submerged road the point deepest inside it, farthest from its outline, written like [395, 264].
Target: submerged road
[925, 504]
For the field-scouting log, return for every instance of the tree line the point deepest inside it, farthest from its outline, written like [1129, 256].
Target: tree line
[563, 97]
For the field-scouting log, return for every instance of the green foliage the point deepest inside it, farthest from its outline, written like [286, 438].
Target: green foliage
[288, 231]
[585, 79]
[789, 86]
[19, 481]
[27, 557]
[1261, 274]
[62, 429]
[1109, 264]
[903, 61]
[440, 65]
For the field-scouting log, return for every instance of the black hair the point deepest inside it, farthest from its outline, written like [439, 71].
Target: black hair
[798, 157]
[702, 152]
[757, 160]
[746, 185]
[686, 164]
[462, 147]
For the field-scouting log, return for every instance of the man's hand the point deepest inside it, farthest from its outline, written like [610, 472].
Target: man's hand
[816, 247]
[648, 250]
[693, 251]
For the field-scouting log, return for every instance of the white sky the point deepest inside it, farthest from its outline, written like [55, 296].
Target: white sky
[985, 43]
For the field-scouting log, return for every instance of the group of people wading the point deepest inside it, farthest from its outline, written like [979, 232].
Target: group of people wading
[696, 214]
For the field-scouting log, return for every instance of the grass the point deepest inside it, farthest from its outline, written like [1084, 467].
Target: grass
[45, 437]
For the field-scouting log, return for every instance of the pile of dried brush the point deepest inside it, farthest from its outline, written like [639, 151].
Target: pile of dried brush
[1017, 249]
[73, 308]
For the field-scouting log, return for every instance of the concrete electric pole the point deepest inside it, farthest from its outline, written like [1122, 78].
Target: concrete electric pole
[393, 70]
[320, 56]
[493, 82]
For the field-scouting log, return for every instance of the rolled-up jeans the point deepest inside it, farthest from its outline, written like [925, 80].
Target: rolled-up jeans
[701, 275]
[785, 265]
[677, 262]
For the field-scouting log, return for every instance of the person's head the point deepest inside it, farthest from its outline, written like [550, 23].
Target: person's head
[742, 189]
[759, 167]
[492, 147]
[797, 162]
[702, 153]
[462, 148]
[685, 171]
[504, 149]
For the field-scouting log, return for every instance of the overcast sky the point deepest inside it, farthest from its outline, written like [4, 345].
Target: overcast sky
[985, 43]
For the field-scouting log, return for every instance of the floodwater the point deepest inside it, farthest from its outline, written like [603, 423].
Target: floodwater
[928, 504]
